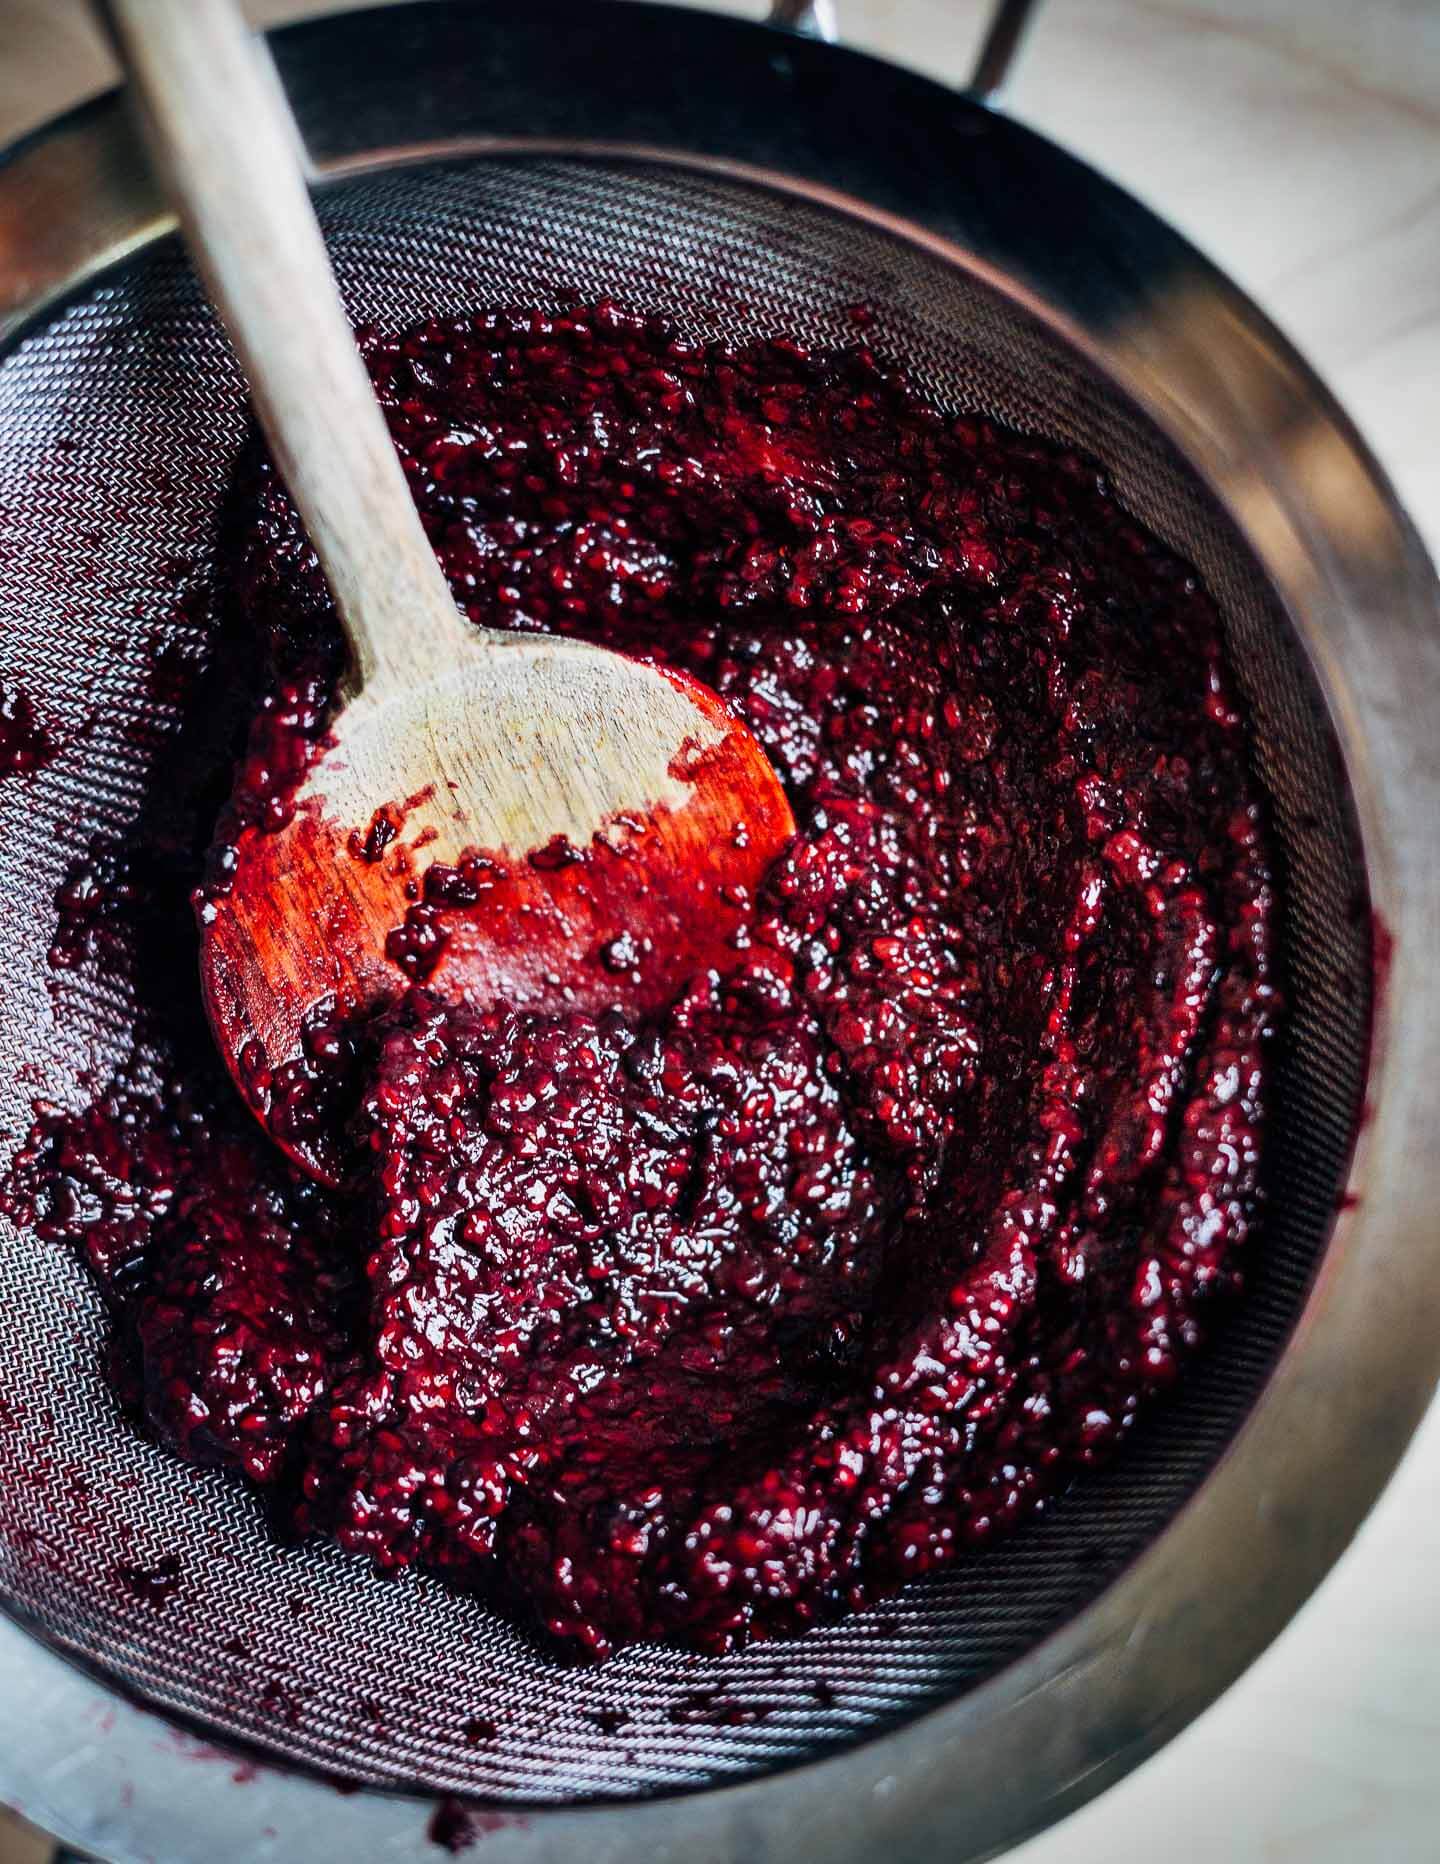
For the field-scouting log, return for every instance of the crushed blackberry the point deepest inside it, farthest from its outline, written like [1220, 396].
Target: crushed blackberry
[707, 1325]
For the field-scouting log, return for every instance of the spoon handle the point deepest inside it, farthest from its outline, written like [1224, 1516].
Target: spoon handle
[221, 133]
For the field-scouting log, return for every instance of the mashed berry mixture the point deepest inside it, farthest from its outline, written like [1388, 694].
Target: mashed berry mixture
[705, 1326]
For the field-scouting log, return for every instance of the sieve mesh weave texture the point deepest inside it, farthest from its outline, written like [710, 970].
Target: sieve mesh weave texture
[118, 423]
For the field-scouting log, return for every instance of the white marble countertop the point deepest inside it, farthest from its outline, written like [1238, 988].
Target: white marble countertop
[1297, 142]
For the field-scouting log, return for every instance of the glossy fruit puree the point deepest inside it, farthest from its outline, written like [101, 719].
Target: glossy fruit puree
[703, 1327]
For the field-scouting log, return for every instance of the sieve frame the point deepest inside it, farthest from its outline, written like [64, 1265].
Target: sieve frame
[1176, 339]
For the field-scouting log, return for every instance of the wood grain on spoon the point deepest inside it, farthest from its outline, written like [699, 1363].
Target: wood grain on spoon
[627, 818]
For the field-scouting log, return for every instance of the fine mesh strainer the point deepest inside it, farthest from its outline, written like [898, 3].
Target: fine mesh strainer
[741, 182]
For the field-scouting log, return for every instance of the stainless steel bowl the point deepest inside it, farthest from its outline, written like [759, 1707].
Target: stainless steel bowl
[1090, 316]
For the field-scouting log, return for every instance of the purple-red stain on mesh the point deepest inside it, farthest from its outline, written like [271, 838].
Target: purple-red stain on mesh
[25, 745]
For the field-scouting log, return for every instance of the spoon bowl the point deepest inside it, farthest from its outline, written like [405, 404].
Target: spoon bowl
[544, 824]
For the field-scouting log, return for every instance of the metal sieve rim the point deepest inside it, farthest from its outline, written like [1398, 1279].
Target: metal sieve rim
[1249, 418]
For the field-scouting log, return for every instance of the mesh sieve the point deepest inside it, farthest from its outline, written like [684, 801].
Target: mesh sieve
[118, 422]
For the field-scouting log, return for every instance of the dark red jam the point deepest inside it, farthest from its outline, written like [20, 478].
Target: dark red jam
[703, 1327]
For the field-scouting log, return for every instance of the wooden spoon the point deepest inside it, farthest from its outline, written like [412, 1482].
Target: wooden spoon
[627, 817]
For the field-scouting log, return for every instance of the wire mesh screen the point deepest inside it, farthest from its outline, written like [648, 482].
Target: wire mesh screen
[118, 424]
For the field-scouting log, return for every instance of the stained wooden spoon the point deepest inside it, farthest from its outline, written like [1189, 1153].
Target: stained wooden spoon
[626, 818]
